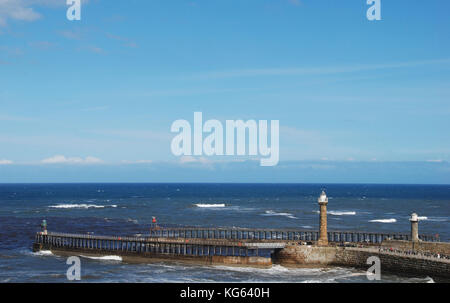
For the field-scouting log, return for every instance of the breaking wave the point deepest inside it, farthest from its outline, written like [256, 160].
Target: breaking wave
[384, 220]
[274, 269]
[339, 213]
[438, 219]
[273, 213]
[210, 205]
[278, 273]
[342, 213]
[43, 253]
[108, 258]
[82, 206]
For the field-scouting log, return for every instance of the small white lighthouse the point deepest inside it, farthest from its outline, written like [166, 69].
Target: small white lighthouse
[414, 227]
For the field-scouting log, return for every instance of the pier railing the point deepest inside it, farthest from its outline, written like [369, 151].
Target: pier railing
[278, 234]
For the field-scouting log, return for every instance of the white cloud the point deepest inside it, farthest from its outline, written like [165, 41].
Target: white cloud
[24, 10]
[59, 159]
[165, 136]
[5, 162]
[302, 135]
[94, 49]
[42, 45]
[137, 162]
[190, 159]
[309, 71]
[126, 41]
[95, 108]
[17, 10]
[295, 2]
[71, 34]
[210, 162]
[14, 118]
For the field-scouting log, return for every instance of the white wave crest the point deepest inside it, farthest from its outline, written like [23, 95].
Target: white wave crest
[438, 219]
[422, 218]
[210, 205]
[429, 280]
[82, 206]
[339, 213]
[240, 208]
[384, 220]
[273, 270]
[43, 253]
[108, 258]
[342, 213]
[273, 213]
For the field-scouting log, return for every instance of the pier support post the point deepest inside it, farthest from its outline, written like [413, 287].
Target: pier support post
[414, 229]
[323, 236]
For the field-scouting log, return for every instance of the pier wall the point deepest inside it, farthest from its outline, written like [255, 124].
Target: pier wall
[307, 256]
[431, 247]
[395, 263]
[132, 257]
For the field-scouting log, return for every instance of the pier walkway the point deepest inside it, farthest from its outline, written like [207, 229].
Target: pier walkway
[278, 234]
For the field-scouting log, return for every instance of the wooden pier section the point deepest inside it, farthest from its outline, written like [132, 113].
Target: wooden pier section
[180, 246]
[225, 251]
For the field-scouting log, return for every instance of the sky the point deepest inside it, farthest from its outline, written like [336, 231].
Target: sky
[93, 100]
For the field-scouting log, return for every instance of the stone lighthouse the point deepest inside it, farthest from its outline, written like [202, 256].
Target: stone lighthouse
[323, 235]
[414, 227]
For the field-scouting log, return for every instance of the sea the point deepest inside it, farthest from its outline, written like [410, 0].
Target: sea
[127, 209]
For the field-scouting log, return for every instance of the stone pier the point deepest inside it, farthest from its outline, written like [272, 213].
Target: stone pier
[391, 262]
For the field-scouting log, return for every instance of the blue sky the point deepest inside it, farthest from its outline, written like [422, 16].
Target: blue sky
[352, 96]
